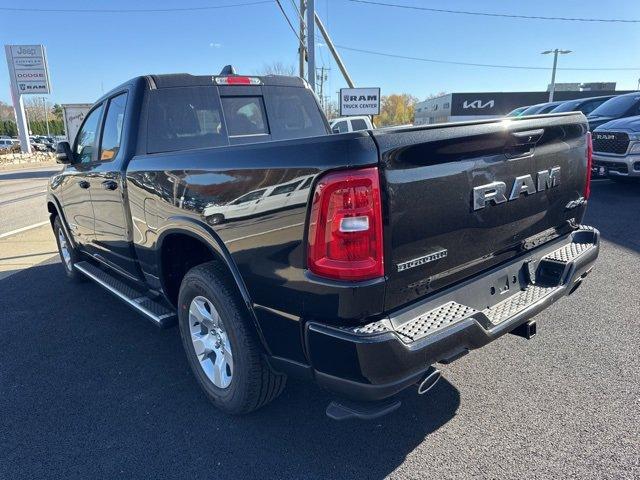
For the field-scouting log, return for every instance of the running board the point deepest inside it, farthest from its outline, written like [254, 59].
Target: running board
[154, 309]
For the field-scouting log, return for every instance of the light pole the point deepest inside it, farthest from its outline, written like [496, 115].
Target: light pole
[46, 115]
[553, 72]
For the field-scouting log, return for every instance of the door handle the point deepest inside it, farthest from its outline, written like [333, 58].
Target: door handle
[109, 185]
[522, 143]
[84, 184]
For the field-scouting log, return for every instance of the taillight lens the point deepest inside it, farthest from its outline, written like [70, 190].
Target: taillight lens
[345, 226]
[238, 80]
[587, 187]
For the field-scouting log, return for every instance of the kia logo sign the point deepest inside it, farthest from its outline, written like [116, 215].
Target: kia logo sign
[478, 104]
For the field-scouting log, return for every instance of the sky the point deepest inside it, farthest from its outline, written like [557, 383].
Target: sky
[90, 53]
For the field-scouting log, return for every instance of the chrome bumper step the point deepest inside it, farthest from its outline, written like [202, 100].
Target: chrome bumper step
[153, 309]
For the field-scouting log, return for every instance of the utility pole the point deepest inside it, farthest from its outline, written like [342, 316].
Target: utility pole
[311, 44]
[46, 115]
[321, 77]
[553, 71]
[334, 52]
[302, 50]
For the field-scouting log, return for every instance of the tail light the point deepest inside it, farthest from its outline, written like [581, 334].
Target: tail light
[587, 187]
[345, 226]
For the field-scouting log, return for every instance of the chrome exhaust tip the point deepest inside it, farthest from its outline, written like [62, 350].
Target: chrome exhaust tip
[429, 381]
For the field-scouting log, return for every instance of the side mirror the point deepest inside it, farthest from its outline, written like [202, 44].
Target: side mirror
[335, 130]
[63, 153]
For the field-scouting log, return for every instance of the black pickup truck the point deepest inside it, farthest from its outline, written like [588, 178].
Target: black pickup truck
[358, 260]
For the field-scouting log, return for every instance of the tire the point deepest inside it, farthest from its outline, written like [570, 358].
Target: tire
[215, 219]
[252, 383]
[64, 249]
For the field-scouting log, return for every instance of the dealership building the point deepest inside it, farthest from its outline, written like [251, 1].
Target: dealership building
[455, 107]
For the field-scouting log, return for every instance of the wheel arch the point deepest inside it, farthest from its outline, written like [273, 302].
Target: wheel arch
[186, 227]
[55, 210]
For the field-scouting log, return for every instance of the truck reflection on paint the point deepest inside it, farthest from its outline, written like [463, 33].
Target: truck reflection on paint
[292, 193]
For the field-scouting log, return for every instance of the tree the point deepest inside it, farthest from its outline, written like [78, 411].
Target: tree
[57, 111]
[278, 68]
[396, 109]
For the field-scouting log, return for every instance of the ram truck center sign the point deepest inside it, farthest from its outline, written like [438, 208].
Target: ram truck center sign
[28, 68]
[359, 101]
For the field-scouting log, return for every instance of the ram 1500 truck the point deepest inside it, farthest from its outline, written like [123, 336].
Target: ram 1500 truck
[359, 260]
[616, 149]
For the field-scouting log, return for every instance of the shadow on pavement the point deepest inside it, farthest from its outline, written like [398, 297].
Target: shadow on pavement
[614, 209]
[92, 390]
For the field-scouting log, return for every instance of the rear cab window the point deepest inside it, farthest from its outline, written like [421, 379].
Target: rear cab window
[184, 118]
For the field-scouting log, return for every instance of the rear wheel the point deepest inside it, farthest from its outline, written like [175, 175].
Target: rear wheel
[68, 255]
[221, 344]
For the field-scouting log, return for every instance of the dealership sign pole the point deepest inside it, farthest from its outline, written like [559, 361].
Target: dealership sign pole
[28, 74]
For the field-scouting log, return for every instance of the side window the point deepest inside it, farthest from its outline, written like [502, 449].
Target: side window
[341, 127]
[244, 116]
[86, 137]
[183, 118]
[112, 129]
[306, 183]
[358, 124]
[249, 197]
[287, 188]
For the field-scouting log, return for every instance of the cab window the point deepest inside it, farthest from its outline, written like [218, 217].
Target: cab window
[341, 127]
[244, 116]
[288, 188]
[112, 130]
[358, 124]
[86, 137]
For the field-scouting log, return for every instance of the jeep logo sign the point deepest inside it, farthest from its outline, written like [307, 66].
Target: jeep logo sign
[359, 101]
[478, 104]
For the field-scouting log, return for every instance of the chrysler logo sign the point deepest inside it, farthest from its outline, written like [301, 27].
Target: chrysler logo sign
[478, 104]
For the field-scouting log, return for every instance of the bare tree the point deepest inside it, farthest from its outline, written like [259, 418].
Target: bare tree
[277, 68]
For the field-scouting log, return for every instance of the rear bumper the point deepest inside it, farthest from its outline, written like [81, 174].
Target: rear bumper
[377, 360]
[618, 166]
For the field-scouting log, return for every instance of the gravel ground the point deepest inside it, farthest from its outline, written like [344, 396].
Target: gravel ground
[90, 390]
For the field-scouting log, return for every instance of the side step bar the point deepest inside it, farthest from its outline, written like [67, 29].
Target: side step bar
[155, 310]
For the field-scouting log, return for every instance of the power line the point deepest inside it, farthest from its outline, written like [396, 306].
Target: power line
[503, 15]
[286, 17]
[488, 65]
[134, 10]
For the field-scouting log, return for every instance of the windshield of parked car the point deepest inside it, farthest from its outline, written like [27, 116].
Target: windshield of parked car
[616, 106]
[533, 109]
[567, 106]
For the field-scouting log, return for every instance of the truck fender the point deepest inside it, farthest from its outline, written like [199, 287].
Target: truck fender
[203, 232]
[52, 199]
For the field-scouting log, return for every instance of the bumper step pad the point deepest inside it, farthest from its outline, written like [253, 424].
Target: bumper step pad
[434, 320]
[154, 309]
[516, 303]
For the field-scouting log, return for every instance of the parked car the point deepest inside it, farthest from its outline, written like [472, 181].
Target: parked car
[622, 106]
[616, 149]
[283, 195]
[7, 143]
[516, 112]
[539, 109]
[584, 105]
[351, 124]
[410, 246]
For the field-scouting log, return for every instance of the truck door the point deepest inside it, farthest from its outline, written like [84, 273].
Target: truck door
[112, 240]
[75, 187]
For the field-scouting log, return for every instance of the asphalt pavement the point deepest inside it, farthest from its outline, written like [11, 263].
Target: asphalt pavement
[89, 389]
[22, 197]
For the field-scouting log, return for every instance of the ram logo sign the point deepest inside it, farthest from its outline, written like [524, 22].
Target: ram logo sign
[478, 104]
[359, 101]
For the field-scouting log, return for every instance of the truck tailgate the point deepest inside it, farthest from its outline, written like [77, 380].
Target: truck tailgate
[529, 175]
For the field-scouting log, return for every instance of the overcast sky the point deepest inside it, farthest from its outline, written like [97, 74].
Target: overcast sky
[92, 52]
